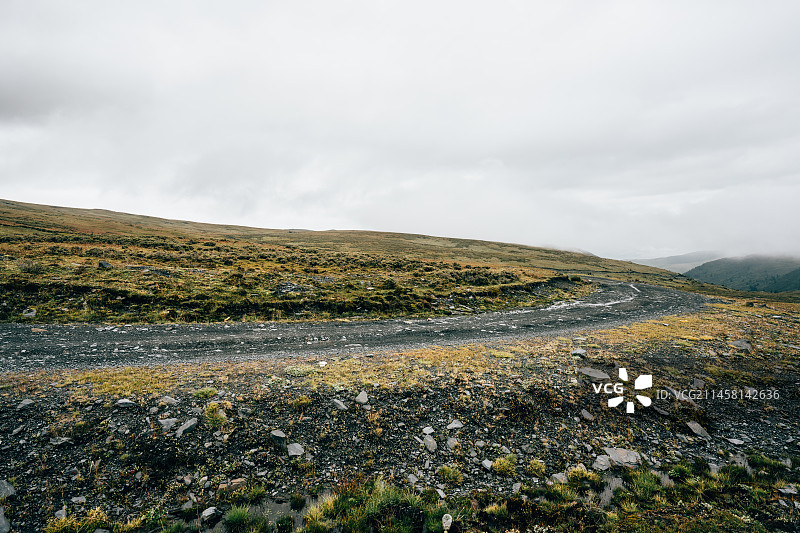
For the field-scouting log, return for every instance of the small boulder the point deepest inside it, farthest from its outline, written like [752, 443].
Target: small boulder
[295, 450]
[125, 403]
[487, 464]
[578, 352]
[340, 405]
[429, 443]
[279, 438]
[587, 415]
[561, 477]
[208, 514]
[452, 443]
[29, 313]
[623, 457]
[24, 404]
[455, 424]
[362, 397]
[6, 489]
[742, 344]
[187, 426]
[5, 526]
[602, 463]
[104, 264]
[698, 430]
[79, 500]
[169, 400]
[412, 479]
[593, 373]
[427, 430]
[167, 423]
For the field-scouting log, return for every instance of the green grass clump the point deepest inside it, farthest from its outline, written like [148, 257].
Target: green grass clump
[451, 475]
[300, 403]
[535, 468]
[584, 478]
[205, 393]
[238, 518]
[214, 415]
[506, 466]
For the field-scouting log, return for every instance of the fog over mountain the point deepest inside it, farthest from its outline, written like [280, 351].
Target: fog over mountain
[628, 129]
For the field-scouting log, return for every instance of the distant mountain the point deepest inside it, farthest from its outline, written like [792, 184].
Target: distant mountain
[680, 263]
[751, 273]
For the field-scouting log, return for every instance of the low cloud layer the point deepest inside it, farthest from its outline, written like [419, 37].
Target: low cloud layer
[628, 129]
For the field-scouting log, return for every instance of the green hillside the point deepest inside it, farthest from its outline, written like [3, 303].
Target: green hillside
[101, 266]
[751, 273]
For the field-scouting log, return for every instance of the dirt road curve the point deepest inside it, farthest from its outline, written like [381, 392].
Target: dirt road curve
[26, 347]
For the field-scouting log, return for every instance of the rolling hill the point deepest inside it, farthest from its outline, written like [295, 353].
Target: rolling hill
[751, 273]
[63, 265]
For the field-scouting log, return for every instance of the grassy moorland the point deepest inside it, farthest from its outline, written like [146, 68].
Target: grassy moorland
[76, 265]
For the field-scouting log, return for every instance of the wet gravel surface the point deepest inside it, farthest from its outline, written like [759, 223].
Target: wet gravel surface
[36, 347]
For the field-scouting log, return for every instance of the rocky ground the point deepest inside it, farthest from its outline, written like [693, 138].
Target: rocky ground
[150, 446]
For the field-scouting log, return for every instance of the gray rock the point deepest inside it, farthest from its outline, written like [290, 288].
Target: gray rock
[6, 489]
[698, 383]
[593, 373]
[58, 441]
[742, 344]
[452, 443]
[24, 404]
[735, 442]
[698, 430]
[455, 424]
[295, 450]
[29, 313]
[340, 405]
[561, 477]
[479, 444]
[5, 526]
[612, 484]
[125, 402]
[79, 500]
[101, 530]
[579, 352]
[427, 430]
[244, 412]
[61, 513]
[104, 264]
[412, 479]
[788, 489]
[167, 423]
[188, 506]
[208, 514]
[279, 438]
[587, 415]
[362, 397]
[169, 400]
[441, 493]
[429, 443]
[187, 426]
[602, 463]
[623, 457]
[487, 464]
[516, 487]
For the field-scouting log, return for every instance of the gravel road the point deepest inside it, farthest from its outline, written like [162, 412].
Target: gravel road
[26, 347]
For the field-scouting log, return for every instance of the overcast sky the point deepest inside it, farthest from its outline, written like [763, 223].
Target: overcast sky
[627, 129]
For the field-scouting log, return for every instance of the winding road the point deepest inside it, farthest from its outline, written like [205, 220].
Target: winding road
[25, 347]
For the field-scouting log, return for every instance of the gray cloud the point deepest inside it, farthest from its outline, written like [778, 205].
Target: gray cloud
[625, 128]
